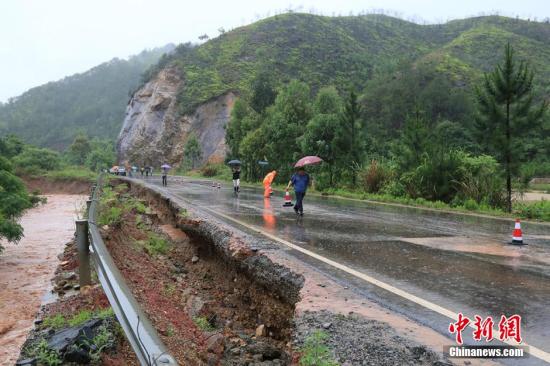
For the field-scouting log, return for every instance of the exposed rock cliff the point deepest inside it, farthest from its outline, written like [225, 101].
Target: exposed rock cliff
[154, 133]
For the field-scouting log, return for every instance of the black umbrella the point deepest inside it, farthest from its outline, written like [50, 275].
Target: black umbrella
[234, 162]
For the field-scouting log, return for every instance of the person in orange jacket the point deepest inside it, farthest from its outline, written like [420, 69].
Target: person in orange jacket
[268, 180]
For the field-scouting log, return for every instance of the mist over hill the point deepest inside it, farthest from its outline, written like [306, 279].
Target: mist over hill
[91, 102]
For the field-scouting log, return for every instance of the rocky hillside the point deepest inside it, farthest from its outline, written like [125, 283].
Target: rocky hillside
[92, 102]
[154, 132]
[193, 89]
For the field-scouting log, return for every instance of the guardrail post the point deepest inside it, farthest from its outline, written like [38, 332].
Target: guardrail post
[83, 247]
[88, 204]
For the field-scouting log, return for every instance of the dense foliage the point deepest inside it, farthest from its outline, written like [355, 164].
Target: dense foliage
[90, 103]
[14, 199]
[428, 157]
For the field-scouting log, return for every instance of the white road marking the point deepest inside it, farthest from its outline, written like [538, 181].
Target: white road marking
[537, 352]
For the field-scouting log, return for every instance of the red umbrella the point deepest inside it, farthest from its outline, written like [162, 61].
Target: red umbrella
[308, 160]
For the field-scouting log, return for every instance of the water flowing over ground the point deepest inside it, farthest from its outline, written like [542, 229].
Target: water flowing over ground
[26, 268]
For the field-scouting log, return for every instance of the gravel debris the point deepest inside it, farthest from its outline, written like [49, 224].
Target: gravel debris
[355, 340]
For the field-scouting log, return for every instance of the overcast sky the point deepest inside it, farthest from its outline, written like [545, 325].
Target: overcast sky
[45, 40]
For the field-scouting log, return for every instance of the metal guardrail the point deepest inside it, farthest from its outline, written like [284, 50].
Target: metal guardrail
[140, 333]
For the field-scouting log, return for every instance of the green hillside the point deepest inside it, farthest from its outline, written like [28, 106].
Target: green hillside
[344, 51]
[92, 102]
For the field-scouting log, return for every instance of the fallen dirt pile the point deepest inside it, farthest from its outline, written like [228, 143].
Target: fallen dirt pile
[211, 298]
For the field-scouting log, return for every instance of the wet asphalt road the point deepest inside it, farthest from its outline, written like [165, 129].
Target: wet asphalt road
[462, 263]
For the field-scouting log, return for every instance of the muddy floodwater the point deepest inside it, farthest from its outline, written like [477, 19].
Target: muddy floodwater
[26, 268]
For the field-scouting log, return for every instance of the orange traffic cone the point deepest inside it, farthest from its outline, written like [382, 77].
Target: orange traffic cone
[288, 200]
[517, 237]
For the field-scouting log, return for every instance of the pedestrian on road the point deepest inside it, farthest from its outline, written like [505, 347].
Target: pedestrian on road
[236, 178]
[300, 181]
[164, 177]
[142, 170]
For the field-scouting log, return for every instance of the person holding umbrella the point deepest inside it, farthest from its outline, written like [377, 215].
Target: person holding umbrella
[300, 181]
[236, 170]
[164, 168]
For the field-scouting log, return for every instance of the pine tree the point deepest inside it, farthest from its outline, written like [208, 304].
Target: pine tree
[353, 131]
[506, 112]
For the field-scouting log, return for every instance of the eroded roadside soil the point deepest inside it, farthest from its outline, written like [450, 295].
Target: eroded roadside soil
[205, 309]
[27, 268]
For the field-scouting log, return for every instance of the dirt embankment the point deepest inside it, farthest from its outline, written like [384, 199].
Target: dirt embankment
[44, 185]
[211, 297]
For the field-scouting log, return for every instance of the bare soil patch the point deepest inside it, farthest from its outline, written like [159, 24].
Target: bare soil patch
[45, 185]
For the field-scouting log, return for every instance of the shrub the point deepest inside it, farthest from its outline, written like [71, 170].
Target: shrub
[203, 324]
[471, 205]
[481, 182]
[209, 170]
[105, 313]
[80, 318]
[394, 188]
[110, 216]
[156, 245]
[374, 177]
[315, 351]
[539, 210]
[46, 356]
[34, 159]
[56, 321]
[436, 177]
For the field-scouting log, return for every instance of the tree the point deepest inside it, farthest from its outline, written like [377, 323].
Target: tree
[285, 122]
[506, 112]
[14, 200]
[322, 131]
[79, 149]
[352, 139]
[235, 132]
[414, 141]
[263, 92]
[193, 151]
[34, 159]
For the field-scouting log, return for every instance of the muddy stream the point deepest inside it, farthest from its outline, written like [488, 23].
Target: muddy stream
[27, 268]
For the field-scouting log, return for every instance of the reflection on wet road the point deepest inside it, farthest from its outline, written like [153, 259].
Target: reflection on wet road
[456, 261]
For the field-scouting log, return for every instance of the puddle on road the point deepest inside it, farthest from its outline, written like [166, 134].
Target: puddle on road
[27, 268]
[484, 246]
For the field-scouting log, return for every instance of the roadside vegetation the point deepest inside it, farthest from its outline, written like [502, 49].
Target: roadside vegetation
[315, 351]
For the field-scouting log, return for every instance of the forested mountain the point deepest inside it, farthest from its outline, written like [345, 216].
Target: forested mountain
[396, 67]
[92, 103]
[344, 51]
